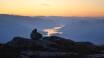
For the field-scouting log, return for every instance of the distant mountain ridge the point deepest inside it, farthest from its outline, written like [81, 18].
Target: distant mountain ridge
[51, 16]
[76, 28]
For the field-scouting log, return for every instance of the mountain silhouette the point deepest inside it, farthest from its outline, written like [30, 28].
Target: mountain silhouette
[53, 47]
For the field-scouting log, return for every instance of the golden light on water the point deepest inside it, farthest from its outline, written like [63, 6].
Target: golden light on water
[53, 31]
[53, 7]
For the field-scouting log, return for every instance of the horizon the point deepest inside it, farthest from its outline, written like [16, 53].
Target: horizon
[75, 28]
[81, 8]
[53, 16]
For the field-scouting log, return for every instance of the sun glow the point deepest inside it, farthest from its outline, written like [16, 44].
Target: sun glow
[53, 31]
[53, 7]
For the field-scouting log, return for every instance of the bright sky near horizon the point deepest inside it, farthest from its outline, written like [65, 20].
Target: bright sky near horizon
[53, 7]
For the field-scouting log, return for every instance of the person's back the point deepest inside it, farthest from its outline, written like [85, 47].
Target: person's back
[35, 35]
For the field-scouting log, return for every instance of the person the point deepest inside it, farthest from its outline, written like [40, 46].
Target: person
[36, 35]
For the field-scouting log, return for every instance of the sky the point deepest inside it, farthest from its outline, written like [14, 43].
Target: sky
[53, 7]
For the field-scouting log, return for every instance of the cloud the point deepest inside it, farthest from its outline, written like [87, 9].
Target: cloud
[45, 4]
[53, 31]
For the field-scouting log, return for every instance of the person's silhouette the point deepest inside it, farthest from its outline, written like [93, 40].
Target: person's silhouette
[35, 35]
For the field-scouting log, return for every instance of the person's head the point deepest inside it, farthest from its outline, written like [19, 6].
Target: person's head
[35, 30]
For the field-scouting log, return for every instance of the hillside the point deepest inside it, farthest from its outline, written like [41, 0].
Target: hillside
[52, 46]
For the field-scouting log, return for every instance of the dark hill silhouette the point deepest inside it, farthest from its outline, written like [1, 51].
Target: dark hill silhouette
[21, 47]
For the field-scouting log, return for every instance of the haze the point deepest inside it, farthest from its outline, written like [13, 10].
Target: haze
[53, 7]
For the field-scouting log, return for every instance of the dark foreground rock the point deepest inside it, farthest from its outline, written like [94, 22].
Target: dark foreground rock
[49, 47]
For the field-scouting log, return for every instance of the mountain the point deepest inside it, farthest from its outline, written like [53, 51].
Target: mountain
[51, 46]
[76, 28]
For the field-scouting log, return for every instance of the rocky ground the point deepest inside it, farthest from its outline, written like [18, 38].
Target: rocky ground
[49, 47]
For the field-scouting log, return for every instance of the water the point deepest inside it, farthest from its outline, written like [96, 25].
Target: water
[75, 28]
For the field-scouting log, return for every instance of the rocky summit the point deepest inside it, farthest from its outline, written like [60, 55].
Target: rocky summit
[49, 47]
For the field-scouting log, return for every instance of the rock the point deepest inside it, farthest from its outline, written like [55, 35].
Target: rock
[20, 42]
[21, 47]
[85, 48]
[61, 43]
[96, 56]
[28, 44]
